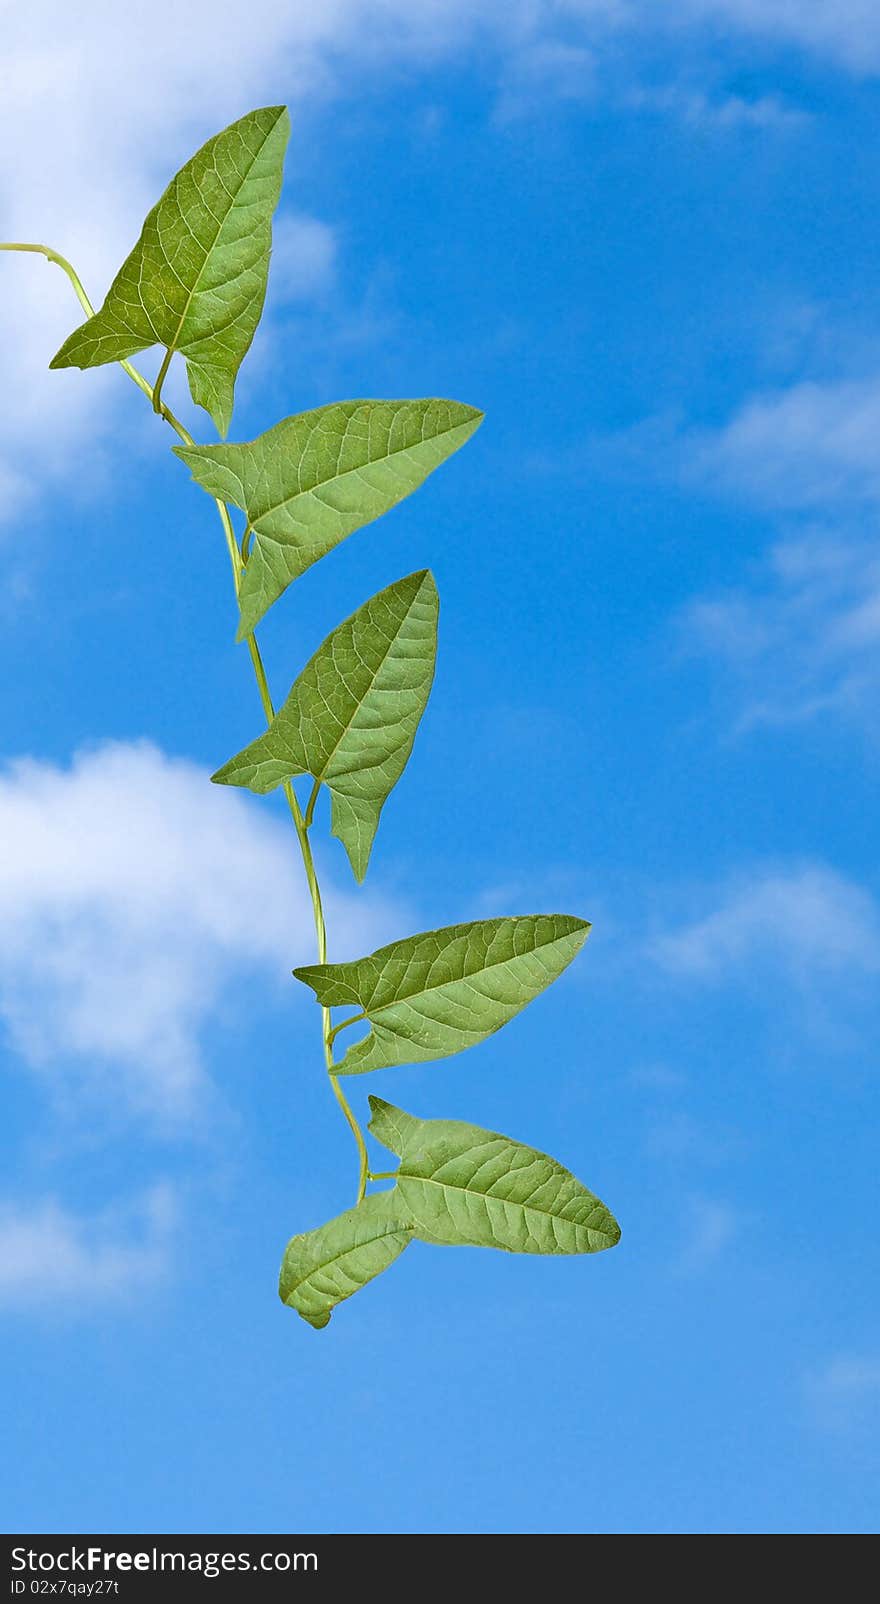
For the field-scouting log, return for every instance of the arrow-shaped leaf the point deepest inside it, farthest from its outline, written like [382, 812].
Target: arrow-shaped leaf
[434, 994]
[321, 1268]
[196, 279]
[460, 1185]
[351, 718]
[316, 477]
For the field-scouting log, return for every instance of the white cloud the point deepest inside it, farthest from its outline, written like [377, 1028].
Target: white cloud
[303, 258]
[700, 109]
[801, 631]
[803, 639]
[846, 1390]
[658, 1077]
[58, 1260]
[846, 32]
[808, 446]
[805, 922]
[710, 1228]
[99, 104]
[136, 899]
[550, 71]
[677, 1136]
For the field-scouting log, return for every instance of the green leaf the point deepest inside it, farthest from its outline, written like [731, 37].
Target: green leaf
[434, 994]
[316, 477]
[196, 279]
[321, 1268]
[460, 1185]
[351, 718]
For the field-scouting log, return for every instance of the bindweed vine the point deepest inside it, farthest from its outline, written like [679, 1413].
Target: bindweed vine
[195, 284]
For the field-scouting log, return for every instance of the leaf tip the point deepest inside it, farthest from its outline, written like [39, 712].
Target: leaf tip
[379, 1112]
[309, 975]
[318, 1322]
[609, 1233]
[472, 419]
[425, 579]
[62, 357]
[608, 1228]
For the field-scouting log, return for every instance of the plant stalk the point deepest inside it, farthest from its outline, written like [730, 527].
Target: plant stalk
[300, 824]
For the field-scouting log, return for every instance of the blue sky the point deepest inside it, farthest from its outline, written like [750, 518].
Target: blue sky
[647, 247]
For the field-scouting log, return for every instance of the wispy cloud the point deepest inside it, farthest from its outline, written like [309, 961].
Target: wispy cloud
[702, 108]
[803, 639]
[658, 1078]
[88, 141]
[135, 898]
[550, 71]
[845, 32]
[795, 949]
[304, 252]
[805, 922]
[676, 1136]
[845, 1391]
[709, 1229]
[810, 445]
[61, 1261]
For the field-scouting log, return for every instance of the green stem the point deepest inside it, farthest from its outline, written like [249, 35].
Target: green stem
[153, 395]
[310, 809]
[357, 1133]
[355, 1019]
[160, 380]
[326, 1022]
[60, 261]
[85, 303]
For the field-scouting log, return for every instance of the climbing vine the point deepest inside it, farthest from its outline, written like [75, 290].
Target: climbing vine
[194, 285]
